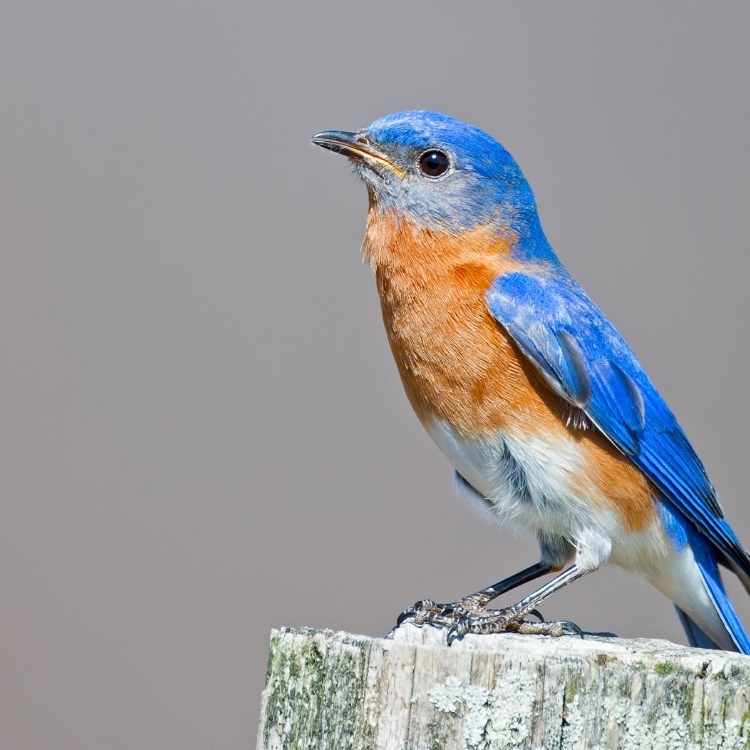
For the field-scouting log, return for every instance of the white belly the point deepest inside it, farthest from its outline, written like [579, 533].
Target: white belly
[536, 484]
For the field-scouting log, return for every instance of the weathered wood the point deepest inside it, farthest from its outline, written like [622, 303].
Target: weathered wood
[341, 691]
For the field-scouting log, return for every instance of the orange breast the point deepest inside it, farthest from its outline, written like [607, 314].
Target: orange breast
[458, 364]
[455, 361]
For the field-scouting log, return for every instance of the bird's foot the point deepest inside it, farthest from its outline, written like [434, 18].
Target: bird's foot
[509, 620]
[428, 612]
[459, 617]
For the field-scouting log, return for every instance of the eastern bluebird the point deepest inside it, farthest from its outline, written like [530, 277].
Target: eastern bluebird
[533, 395]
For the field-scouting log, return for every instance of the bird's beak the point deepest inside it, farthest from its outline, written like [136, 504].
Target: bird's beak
[355, 146]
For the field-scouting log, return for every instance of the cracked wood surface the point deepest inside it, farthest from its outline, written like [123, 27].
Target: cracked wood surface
[341, 691]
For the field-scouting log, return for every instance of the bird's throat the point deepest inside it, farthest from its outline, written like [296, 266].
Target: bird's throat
[432, 290]
[394, 240]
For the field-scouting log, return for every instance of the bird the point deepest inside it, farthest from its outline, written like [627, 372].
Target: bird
[540, 405]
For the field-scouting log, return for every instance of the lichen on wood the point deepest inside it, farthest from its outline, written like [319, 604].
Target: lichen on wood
[338, 691]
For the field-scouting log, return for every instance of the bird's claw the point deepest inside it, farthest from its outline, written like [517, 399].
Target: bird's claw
[494, 621]
[420, 612]
[539, 616]
[510, 621]
[470, 615]
[428, 612]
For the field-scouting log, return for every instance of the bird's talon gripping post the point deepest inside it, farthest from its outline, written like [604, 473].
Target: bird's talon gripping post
[417, 612]
[436, 615]
[457, 631]
[510, 620]
[571, 628]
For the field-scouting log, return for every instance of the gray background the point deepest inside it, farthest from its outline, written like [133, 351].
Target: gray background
[202, 431]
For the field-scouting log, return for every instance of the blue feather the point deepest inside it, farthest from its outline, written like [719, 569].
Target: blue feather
[682, 534]
[580, 353]
[706, 560]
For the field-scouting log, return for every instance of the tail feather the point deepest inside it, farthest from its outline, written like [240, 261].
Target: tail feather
[742, 572]
[709, 570]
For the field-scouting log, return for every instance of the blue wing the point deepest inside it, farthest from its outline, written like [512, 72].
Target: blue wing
[586, 361]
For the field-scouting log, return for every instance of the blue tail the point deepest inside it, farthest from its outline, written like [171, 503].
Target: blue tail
[709, 569]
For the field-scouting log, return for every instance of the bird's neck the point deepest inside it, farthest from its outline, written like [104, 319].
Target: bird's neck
[396, 247]
[394, 244]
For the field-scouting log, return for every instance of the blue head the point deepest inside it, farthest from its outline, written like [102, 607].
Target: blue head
[443, 174]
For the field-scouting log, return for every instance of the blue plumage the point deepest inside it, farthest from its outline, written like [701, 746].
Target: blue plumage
[541, 310]
[705, 557]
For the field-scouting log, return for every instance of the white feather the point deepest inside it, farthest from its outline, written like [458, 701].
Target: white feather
[535, 485]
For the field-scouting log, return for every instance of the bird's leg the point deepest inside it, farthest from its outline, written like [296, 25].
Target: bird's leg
[482, 598]
[512, 618]
[427, 612]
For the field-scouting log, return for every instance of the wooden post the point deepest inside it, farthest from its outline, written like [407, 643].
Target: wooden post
[340, 691]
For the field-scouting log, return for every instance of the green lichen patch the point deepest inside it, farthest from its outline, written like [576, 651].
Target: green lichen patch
[573, 686]
[315, 695]
[664, 668]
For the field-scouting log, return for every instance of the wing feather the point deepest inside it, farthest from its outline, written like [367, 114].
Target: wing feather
[586, 361]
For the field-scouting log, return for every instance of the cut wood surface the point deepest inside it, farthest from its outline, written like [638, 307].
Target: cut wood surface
[335, 690]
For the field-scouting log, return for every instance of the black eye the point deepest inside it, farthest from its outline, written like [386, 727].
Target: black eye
[433, 163]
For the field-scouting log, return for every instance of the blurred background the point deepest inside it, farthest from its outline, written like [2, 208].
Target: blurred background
[202, 431]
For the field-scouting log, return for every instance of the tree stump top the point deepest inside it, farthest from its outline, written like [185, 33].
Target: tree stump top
[330, 689]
